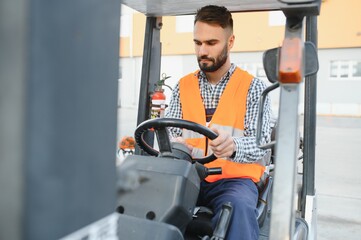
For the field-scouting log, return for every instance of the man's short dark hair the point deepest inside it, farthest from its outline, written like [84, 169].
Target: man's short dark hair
[212, 14]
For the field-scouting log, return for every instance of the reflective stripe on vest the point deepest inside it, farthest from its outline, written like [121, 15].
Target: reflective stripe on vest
[229, 116]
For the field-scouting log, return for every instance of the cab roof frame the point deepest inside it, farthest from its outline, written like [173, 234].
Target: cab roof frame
[158, 8]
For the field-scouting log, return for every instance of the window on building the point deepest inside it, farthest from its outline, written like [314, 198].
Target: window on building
[356, 69]
[345, 70]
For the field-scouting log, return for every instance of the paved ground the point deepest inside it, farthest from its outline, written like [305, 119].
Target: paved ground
[338, 178]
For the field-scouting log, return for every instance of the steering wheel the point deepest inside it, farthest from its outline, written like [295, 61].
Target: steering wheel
[160, 127]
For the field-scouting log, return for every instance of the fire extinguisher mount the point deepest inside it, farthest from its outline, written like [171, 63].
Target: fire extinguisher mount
[158, 98]
[161, 82]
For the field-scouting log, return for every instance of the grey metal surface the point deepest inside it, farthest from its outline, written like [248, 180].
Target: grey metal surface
[150, 66]
[12, 98]
[287, 135]
[283, 209]
[308, 201]
[58, 89]
[264, 230]
[150, 72]
[172, 7]
[310, 117]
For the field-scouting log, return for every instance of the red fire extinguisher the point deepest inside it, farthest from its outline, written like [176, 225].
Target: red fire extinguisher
[158, 104]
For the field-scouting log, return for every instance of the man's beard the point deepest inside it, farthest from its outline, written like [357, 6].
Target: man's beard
[216, 63]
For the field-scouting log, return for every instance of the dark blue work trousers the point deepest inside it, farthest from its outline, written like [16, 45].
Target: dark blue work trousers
[243, 195]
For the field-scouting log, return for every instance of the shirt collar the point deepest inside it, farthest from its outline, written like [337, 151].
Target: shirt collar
[202, 76]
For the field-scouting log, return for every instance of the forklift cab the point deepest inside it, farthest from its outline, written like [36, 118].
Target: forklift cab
[286, 67]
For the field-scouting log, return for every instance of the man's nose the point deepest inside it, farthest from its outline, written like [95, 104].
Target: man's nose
[203, 50]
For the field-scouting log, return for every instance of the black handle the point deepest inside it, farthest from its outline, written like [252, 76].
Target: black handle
[262, 100]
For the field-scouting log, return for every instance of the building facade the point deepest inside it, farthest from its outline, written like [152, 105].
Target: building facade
[339, 43]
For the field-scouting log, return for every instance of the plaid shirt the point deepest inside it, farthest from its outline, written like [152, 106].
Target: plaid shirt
[246, 147]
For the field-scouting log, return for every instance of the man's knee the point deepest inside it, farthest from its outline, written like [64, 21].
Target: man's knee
[243, 207]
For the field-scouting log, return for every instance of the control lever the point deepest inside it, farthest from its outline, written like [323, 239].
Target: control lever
[203, 171]
[214, 171]
[223, 222]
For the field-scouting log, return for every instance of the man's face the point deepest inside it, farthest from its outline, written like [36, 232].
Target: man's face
[212, 45]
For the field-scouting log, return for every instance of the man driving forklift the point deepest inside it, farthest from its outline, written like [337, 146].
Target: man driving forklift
[225, 98]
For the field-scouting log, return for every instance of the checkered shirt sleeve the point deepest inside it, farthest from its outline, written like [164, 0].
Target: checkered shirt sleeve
[247, 150]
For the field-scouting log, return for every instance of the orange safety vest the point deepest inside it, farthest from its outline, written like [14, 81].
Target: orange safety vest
[229, 116]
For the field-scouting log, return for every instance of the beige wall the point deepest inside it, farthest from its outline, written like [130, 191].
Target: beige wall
[339, 26]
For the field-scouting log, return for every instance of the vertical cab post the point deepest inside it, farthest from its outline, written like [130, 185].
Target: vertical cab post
[290, 73]
[150, 71]
[292, 68]
[150, 65]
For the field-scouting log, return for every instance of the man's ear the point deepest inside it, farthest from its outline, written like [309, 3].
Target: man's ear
[231, 41]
